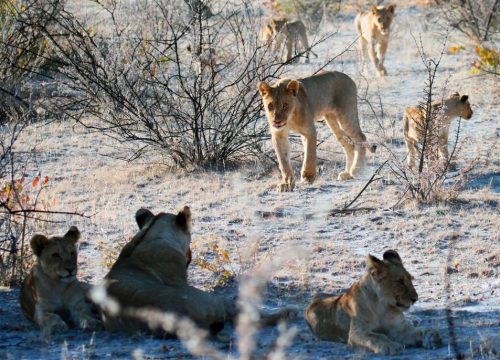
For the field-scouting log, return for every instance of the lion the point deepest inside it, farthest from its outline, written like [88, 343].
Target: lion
[295, 104]
[373, 29]
[51, 296]
[438, 128]
[370, 314]
[291, 32]
[151, 273]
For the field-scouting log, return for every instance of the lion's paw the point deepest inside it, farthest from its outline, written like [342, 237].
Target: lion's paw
[344, 175]
[381, 72]
[285, 187]
[88, 322]
[431, 339]
[56, 325]
[389, 348]
[308, 177]
[289, 312]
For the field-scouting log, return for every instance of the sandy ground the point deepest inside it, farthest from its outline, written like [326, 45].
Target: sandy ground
[240, 211]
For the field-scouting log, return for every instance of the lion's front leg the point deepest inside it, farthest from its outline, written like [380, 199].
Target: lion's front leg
[443, 149]
[405, 333]
[81, 313]
[281, 146]
[373, 56]
[382, 48]
[362, 336]
[308, 173]
[48, 321]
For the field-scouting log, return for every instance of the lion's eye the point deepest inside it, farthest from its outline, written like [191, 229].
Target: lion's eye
[379, 19]
[285, 106]
[402, 281]
[270, 107]
[56, 255]
[72, 253]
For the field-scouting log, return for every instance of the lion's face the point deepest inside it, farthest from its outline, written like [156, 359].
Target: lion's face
[459, 106]
[394, 282]
[279, 102]
[383, 18]
[277, 24]
[57, 256]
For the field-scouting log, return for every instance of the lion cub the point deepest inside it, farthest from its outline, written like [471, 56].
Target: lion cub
[373, 29]
[370, 313]
[445, 112]
[291, 32]
[293, 105]
[51, 296]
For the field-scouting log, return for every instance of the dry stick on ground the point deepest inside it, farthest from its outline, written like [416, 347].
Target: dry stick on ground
[447, 287]
[346, 208]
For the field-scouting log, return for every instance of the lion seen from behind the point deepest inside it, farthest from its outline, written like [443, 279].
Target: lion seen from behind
[151, 273]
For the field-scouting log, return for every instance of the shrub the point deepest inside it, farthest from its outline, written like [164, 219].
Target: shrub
[183, 87]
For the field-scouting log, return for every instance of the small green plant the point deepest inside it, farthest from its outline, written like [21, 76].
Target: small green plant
[216, 259]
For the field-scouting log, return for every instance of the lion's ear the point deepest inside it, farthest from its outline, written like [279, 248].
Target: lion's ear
[392, 256]
[264, 88]
[37, 243]
[391, 8]
[293, 87]
[183, 219]
[374, 10]
[142, 216]
[464, 98]
[73, 234]
[376, 267]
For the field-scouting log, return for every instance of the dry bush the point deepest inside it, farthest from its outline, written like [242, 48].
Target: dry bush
[156, 79]
[479, 20]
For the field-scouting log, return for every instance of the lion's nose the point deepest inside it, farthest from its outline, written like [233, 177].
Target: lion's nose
[414, 299]
[70, 269]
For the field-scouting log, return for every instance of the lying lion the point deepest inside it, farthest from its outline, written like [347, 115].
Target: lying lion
[294, 105]
[151, 273]
[370, 313]
[51, 296]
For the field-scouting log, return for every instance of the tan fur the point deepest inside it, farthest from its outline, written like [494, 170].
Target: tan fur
[151, 272]
[290, 32]
[370, 313]
[438, 128]
[294, 106]
[373, 28]
[51, 296]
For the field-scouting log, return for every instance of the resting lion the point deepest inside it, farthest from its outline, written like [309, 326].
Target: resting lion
[373, 29]
[51, 296]
[293, 105]
[291, 32]
[438, 128]
[370, 313]
[151, 273]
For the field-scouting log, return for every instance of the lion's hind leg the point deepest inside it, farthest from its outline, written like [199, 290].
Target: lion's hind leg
[347, 146]
[359, 161]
